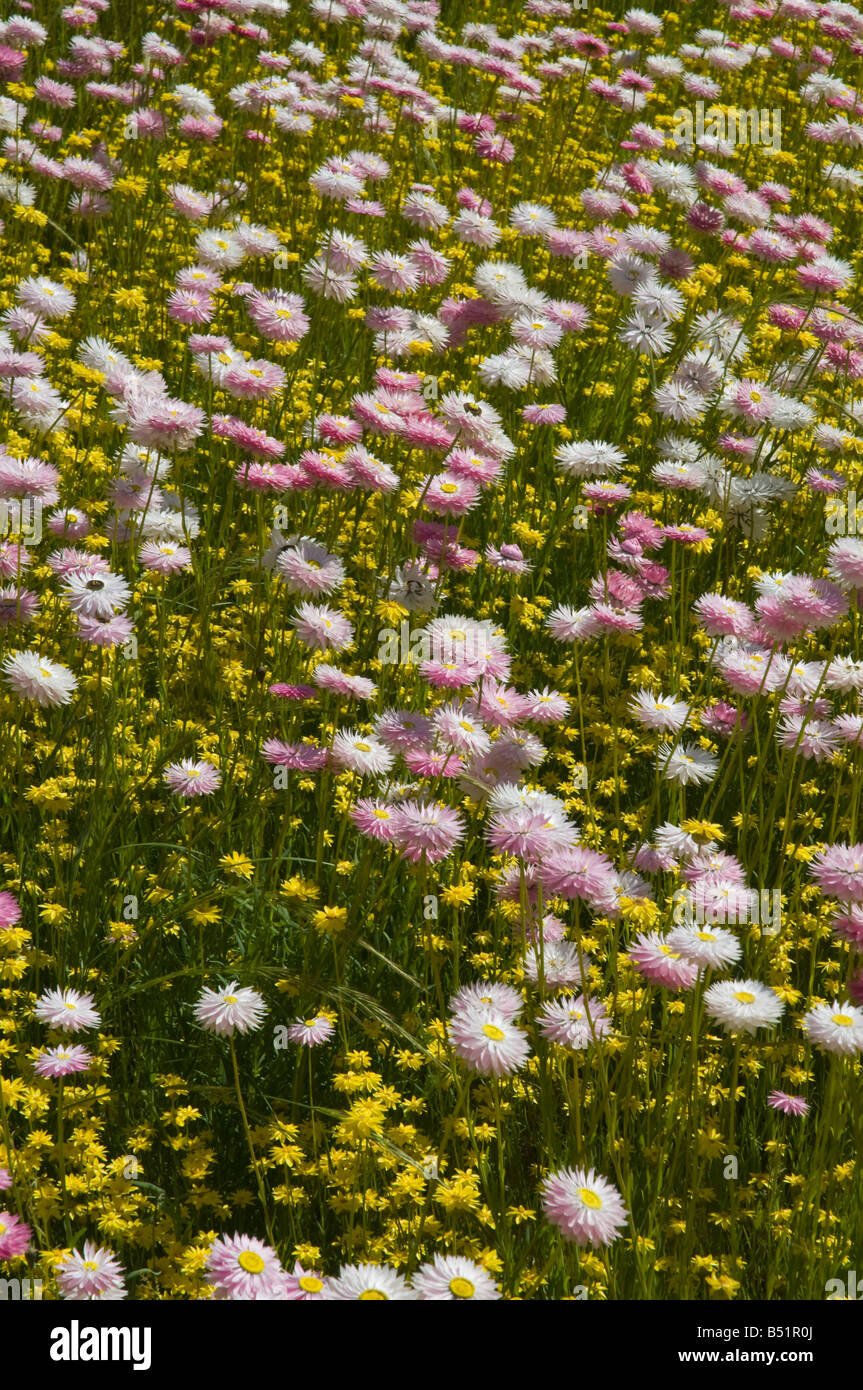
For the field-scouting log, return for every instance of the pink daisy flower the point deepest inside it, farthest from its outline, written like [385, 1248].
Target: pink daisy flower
[660, 963]
[488, 994]
[322, 628]
[56, 1062]
[232, 1009]
[303, 1285]
[374, 818]
[10, 911]
[14, 1236]
[586, 1207]
[189, 778]
[67, 1009]
[453, 1278]
[165, 557]
[359, 752]
[836, 1027]
[488, 1042]
[301, 757]
[425, 829]
[368, 1283]
[574, 1022]
[243, 1268]
[94, 1273]
[788, 1105]
[838, 871]
[311, 1032]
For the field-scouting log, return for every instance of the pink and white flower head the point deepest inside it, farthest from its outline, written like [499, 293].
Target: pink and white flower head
[190, 778]
[458, 729]
[579, 873]
[659, 712]
[743, 1006]
[232, 1009]
[686, 764]
[95, 593]
[706, 946]
[31, 676]
[311, 1032]
[788, 1105]
[558, 963]
[452, 1278]
[658, 962]
[304, 1285]
[67, 1009]
[426, 830]
[487, 994]
[94, 1273]
[309, 568]
[57, 1062]
[355, 751]
[845, 559]
[838, 871]
[488, 1042]
[243, 1268]
[368, 1283]
[45, 297]
[574, 1022]
[322, 628]
[14, 1236]
[375, 817]
[528, 832]
[10, 910]
[165, 557]
[836, 1027]
[587, 1208]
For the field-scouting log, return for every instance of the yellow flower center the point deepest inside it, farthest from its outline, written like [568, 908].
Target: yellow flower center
[376, 1294]
[90, 1264]
[363, 747]
[843, 1021]
[744, 996]
[309, 1284]
[251, 1262]
[589, 1198]
[449, 487]
[230, 999]
[461, 1288]
[492, 1031]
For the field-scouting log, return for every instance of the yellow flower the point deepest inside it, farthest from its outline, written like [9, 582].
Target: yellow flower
[641, 912]
[329, 921]
[54, 914]
[130, 299]
[237, 864]
[364, 1119]
[459, 895]
[206, 913]
[300, 888]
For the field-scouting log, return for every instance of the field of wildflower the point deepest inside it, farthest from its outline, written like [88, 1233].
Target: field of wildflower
[431, 859]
